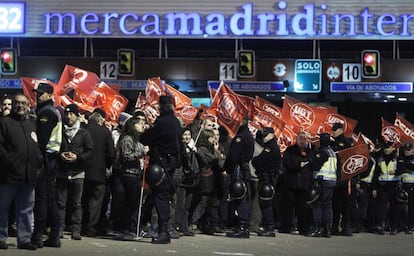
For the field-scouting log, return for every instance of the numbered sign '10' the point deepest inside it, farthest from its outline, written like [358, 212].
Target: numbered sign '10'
[351, 72]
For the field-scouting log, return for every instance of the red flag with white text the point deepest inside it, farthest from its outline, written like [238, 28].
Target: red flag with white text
[76, 78]
[228, 108]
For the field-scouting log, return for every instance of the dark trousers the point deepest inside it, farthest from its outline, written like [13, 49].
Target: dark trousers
[184, 197]
[243, 206]
[409, 212]
[46, 209]
[70, 191]
[387, 196]
[131, 186]
[93, 195]
[295, 205]
[322, 213]
[341, 207]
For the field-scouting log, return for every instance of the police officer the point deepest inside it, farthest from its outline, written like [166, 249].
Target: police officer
[325, 168]
[164, 141]
[341, 204]
[237, 165]
[267, 165]
[49, 133]
[386, 181]
[407, 174]
[367, 199]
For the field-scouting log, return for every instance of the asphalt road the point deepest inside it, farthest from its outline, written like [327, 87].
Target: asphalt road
[283, 244]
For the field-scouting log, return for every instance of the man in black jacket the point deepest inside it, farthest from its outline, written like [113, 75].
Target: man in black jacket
[298, 177]
[77, 148]
[267, 165]
[164, 141]
[20, 158]
[237, 165]
[95, 176]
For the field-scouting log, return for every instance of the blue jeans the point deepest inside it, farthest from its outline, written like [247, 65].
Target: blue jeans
[25, 197]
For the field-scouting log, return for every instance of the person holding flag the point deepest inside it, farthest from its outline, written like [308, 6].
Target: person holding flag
[267, 165]
[325, 175]
[237, 165]
[341, 204]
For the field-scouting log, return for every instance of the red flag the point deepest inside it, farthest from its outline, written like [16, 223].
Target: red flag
[299, 116]
[30, 83]
[261, 118]
[354, 160]
[391, 133]
[287, 139]
[76, 78]
[144, 182]
[112, 102]
[228, 108]
[247, 101]
[406, 127]
[89, 100]
[180, 100]
[140, 103]
[187, 114]
[212, 93]
[268, 107]
[333, 117]
[154, 90]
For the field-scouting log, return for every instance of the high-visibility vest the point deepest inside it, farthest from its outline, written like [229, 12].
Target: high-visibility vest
[408, 177]
[328, 169]
[55, 140]
[385, 171]
[368, 179]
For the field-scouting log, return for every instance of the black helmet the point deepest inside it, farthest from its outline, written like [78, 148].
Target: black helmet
[402, 196]
[154, 175]
[266, 192]
[238, 190]
[314, 196]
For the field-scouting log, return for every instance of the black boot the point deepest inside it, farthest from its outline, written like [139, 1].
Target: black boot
[163, 235]
[241, 232]
[327, 231]
[267, 231]
[37, 239]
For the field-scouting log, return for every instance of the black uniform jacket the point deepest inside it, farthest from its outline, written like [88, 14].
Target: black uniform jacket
[19, 152]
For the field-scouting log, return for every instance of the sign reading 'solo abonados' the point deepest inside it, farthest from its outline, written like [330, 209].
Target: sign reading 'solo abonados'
[330, 19]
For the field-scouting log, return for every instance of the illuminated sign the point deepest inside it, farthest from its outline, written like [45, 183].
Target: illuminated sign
[251, 86]
[308, 76]
[311, 21]
[379, 87]
[12, 18]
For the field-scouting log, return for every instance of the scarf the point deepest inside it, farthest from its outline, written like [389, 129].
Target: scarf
[71, 131]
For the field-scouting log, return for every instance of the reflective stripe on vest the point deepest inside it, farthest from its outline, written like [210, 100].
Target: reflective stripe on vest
[328, 169]
[368, 179]
[55, 140]
[408, 177]
[385, 171]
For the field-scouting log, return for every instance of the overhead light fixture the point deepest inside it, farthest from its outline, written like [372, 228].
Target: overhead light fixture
[402, 99]
[390, 96]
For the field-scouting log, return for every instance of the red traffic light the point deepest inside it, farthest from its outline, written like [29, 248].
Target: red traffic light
[370, 63]
[8, 61]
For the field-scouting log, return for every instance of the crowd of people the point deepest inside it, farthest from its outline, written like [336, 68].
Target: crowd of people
[63, 173]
